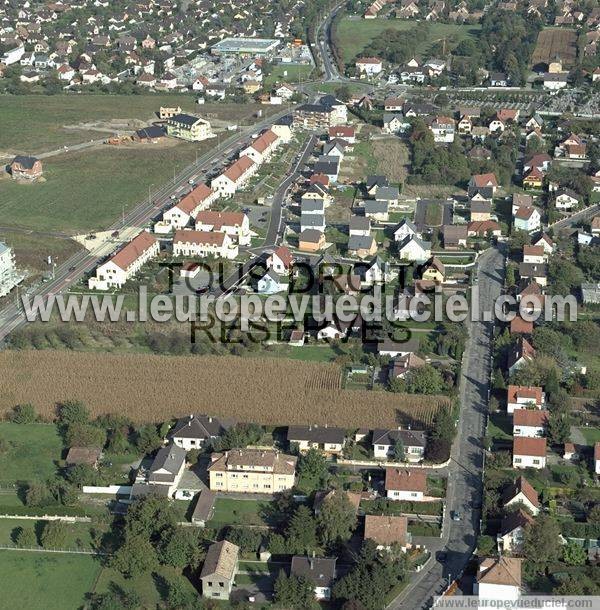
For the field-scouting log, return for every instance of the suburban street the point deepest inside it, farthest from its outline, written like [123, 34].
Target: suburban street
[467, 459]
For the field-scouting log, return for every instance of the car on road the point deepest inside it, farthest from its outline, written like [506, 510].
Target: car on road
[73, 268]
[246, 210]
[173, 196]
[455, 515]
[191, 181]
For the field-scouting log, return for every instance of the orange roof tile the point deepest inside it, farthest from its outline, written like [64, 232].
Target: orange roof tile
[136, 248]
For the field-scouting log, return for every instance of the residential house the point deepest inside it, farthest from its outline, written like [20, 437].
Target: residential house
[534, 271]
[23, 167]
[519, 326]
[529, 422]
[597, 457]
[545, 241]
[167, 468]
[373, 183]
[219, 570]
[362, 246]
[524, 397]
[520, 354]
[405, 229]
[186, 209]
[272, 283]
[512, 531]
[498, 578]
[401, 365]
[376, 209]
[125, 263]
[533, 179]
[329, 166]
[280, 260]
[465, 125]
[189, 127]
[320, 571]
[343, 132]
[329, 441]
[322, 497]
[394, 123]
[252, 471]
[234, 177]
[540, 161]
[454, 236]
[529, 452]
[188, 242]
[520, 200]
[405, 484]
[311, 240]
[413, 248]
[566, 200]
[234, 224]
[527, 219]
[433, 269]
[262, 148]
[480, 211]
[498, 79]
[521, 492]
[443, 129]
[484, 229]
[388, 531]
[413, 443]
[590, 293]
[368, 66]
[484, 180]
[534, 254]
[359, 226]
[196, 430]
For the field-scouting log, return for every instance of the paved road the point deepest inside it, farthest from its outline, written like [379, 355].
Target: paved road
[582, 215]
[467, 460]
[11, 317]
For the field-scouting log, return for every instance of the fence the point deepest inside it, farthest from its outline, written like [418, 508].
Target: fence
[381, 464]
[39, 549]
[113, 490]
[67, 518]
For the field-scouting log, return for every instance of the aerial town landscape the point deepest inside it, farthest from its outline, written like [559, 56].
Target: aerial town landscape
[299, 304]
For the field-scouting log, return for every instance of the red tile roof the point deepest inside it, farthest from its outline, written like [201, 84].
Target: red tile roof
[481, 180]
[481, 227]
[534, 393]
[264, 141]
[530, 417]
[191, 201]
[405, 479]
[220, 219]
[520, 326]
[535, 447]
[341, 131]
[136, 248]
[522, 485]
[533, 250]
[597, 451]
[213, 238]
[386, 529]
[235, 171]
[285, 255]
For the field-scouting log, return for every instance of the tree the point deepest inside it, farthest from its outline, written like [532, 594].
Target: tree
[25, 537]
[39, 494]
[312, 470]
[136, 556]
[301, 533]
[559, 428]
[247, 539]
[178, 547]
[73, 412]
[54, 535]
[485, 545]
[336, 520]
[116, 598]
[85, 435]
[147, 439]
[294, 592]
[594, 514]
[574, 554]
[399, 454]
[149, 517]
[179, 592]
[23, 414]
[563, 276]
[82, 474]
[541, 545]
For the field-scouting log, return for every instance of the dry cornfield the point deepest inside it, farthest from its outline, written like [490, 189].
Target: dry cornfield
[269, 391]
[555, 42]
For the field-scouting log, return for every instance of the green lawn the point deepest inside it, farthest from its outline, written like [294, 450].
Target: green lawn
[78, 534]
[291, 74]
[88, 191]
[592, 435]
[32, 452]
[35, 123]
[229, 511]
[356, 34]
[500, 426]
[150, 587]
[46, 581]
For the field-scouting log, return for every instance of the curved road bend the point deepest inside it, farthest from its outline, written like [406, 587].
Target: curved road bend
[11, 317]
[464, 491]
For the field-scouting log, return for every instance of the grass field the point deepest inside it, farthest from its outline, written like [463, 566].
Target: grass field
[78, 534]
[591, 435]
[291, 74]
[356, 34]
[46, 581]
[88, 190]
[239, 512]
[32, 452]
[35, 123]
[155, 388]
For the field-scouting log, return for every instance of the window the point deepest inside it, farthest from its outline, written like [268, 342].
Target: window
[536, 461]
[381, 447]
[209, 584]
[517, 460]
[221, 584]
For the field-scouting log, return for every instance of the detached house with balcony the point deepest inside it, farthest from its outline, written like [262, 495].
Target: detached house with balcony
[189, 127]
[413, 443]
[195, 431]
[125, 263]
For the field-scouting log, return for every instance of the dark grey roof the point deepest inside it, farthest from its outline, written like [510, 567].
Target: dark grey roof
[312, 220]
[373, 206]
[360, 242]
[481, 206]
[169, 458]
[312, 205]
[409, 438]
[311, 236]
[378, 181]
[204, 505]
[330, 100]
[316, 434]
[186, 119]
[152, 131]
[484, 191]
[141, 490]
[199, 426]
[359, 223]
[329, 167]
[387, 193]
[533, 269]
[313, 108]
[25, 161]
[288, 120]
[319, 570]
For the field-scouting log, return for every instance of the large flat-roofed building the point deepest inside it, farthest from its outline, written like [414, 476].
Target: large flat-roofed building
[245, 46]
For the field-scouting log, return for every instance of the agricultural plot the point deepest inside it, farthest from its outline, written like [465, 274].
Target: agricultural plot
[154, 388]
[555, 42]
